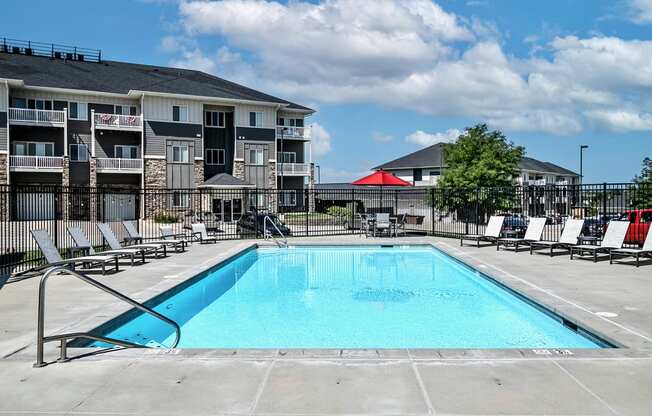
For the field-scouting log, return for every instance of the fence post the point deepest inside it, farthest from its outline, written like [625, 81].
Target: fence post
[58, 199]
[432, 210]
[306, 208]
[604, 201]
[477, 210]
[354, 209]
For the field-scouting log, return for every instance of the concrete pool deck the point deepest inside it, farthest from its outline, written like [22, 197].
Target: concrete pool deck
[324, 382]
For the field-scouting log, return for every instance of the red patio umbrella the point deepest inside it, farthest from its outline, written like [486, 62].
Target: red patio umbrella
[381, 178]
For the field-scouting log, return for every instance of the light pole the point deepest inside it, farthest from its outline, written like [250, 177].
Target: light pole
[582, 147]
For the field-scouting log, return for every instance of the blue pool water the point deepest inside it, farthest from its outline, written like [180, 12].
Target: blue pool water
[349, 297]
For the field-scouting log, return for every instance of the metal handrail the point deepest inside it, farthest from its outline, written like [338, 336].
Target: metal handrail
[41, 339]
[266, 234]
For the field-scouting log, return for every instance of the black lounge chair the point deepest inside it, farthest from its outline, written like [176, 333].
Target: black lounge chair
[53, 257]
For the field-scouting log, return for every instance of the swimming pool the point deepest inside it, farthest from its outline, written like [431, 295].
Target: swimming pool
[347, 297]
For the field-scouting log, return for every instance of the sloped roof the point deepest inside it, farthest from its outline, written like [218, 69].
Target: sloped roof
[122, 77]
[225, 180]
[432, 156]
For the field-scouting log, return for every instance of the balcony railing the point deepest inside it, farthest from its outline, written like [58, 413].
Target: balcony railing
[42, 163]
[293, 169]
[37, 117]
[118, 122]
[114, 164]
[288, 132]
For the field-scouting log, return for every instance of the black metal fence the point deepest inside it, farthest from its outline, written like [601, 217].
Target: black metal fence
[232, 213]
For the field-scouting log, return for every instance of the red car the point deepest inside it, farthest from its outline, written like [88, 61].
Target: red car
[639, 225]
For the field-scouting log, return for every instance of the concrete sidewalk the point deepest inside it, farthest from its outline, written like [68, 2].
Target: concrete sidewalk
[325, 382]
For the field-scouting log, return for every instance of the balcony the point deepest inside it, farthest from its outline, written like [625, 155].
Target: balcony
[118, 165]
[118, 122]
[293, 169]
[30, 117]
[293, 133]
[536, 182]
[36, 163]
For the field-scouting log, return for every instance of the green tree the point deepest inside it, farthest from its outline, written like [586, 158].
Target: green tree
[642, 197]
[480, 158]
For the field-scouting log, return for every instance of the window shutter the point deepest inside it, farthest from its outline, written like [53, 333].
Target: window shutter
[175, 113]
[252, 119]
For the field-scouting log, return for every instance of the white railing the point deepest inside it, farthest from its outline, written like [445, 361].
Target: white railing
[561, 183]
[537, 182]
[118, 121]
[118, 164]
[286, 169]
[37, 116]
[288, 132]
[36, 162]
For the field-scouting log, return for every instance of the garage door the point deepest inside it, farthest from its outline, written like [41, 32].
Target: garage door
[35, 206]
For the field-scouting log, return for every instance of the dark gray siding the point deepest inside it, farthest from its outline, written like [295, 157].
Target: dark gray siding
[3, 118]
[217, 138]
[158, 132]
[39, 134]
[252, 133]
[118, 179]
[180, 175]
[36, 178]
[293, 146]
[79, 173]
[106, 140]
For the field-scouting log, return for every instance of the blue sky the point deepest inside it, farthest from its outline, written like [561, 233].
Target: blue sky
[388, 77]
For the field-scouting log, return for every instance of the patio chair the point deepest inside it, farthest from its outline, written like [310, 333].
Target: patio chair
[569, 235]
[113, 242]
[134, 235]
[634, 252]
[168, 233]
[532, 234]
[365, 224]
[81, 241]
[399, 227]
[491, 233]
[199, 232]
[382, 224]
[53, 257]
[614, 238]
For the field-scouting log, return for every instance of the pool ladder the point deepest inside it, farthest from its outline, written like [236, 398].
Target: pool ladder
[41, 339]
[268, 234]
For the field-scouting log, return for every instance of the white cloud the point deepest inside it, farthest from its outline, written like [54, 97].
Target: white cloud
[320, 140]
[623, 120]
[641, 11]
[424, 139]
[414, 55]
[381, 137]
[329, 174]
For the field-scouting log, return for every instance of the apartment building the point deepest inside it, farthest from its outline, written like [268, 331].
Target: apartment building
[424, 168]
[68, 117]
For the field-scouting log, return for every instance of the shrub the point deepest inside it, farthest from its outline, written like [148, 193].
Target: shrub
[336, 211]
[165, 218]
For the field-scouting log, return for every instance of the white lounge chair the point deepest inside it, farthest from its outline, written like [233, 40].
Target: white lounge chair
[81, 241]
[52, 256]
[134, 235]
[199, 232]
[491, 233]
[613, 239]
[634, 252]
[113, 242]
[569, 235]
[168, 234]
[532, 234]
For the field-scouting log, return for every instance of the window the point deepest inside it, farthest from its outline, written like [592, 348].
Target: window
[126, 110]
[180, 200]
[417, 175]
[287, 157]
[255, 119]
[180, 113]
[39, 104]
[288, 198]
[77, 110]
[122, 151]
[34, 149]
[180, 154]
[256, 157]
[258, 200]
[78, 152]
[214, 118]
[435, 172]
[290, 122]
[18, 102]
[214, 156]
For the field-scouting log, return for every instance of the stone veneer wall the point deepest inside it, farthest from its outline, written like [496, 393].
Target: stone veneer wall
[311, 189]
[239, 169]
[65, 183]
[155, 177]
[4, 179]
[4, 161]
[196, 202]
[92, 183]
[271, 184]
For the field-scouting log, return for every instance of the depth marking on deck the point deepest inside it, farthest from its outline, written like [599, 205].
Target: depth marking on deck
[549, 293]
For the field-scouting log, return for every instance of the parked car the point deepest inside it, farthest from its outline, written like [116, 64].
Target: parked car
[254, 223]
[515, 222]
[639, 225]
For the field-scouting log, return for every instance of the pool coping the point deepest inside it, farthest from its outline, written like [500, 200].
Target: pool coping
[630, 344]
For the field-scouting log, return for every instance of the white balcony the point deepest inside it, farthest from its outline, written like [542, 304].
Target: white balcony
[118, 165]
[293, 169]
[118, 122]
[29, 117]
[293, 133]
[36, 163]
[536, 182]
